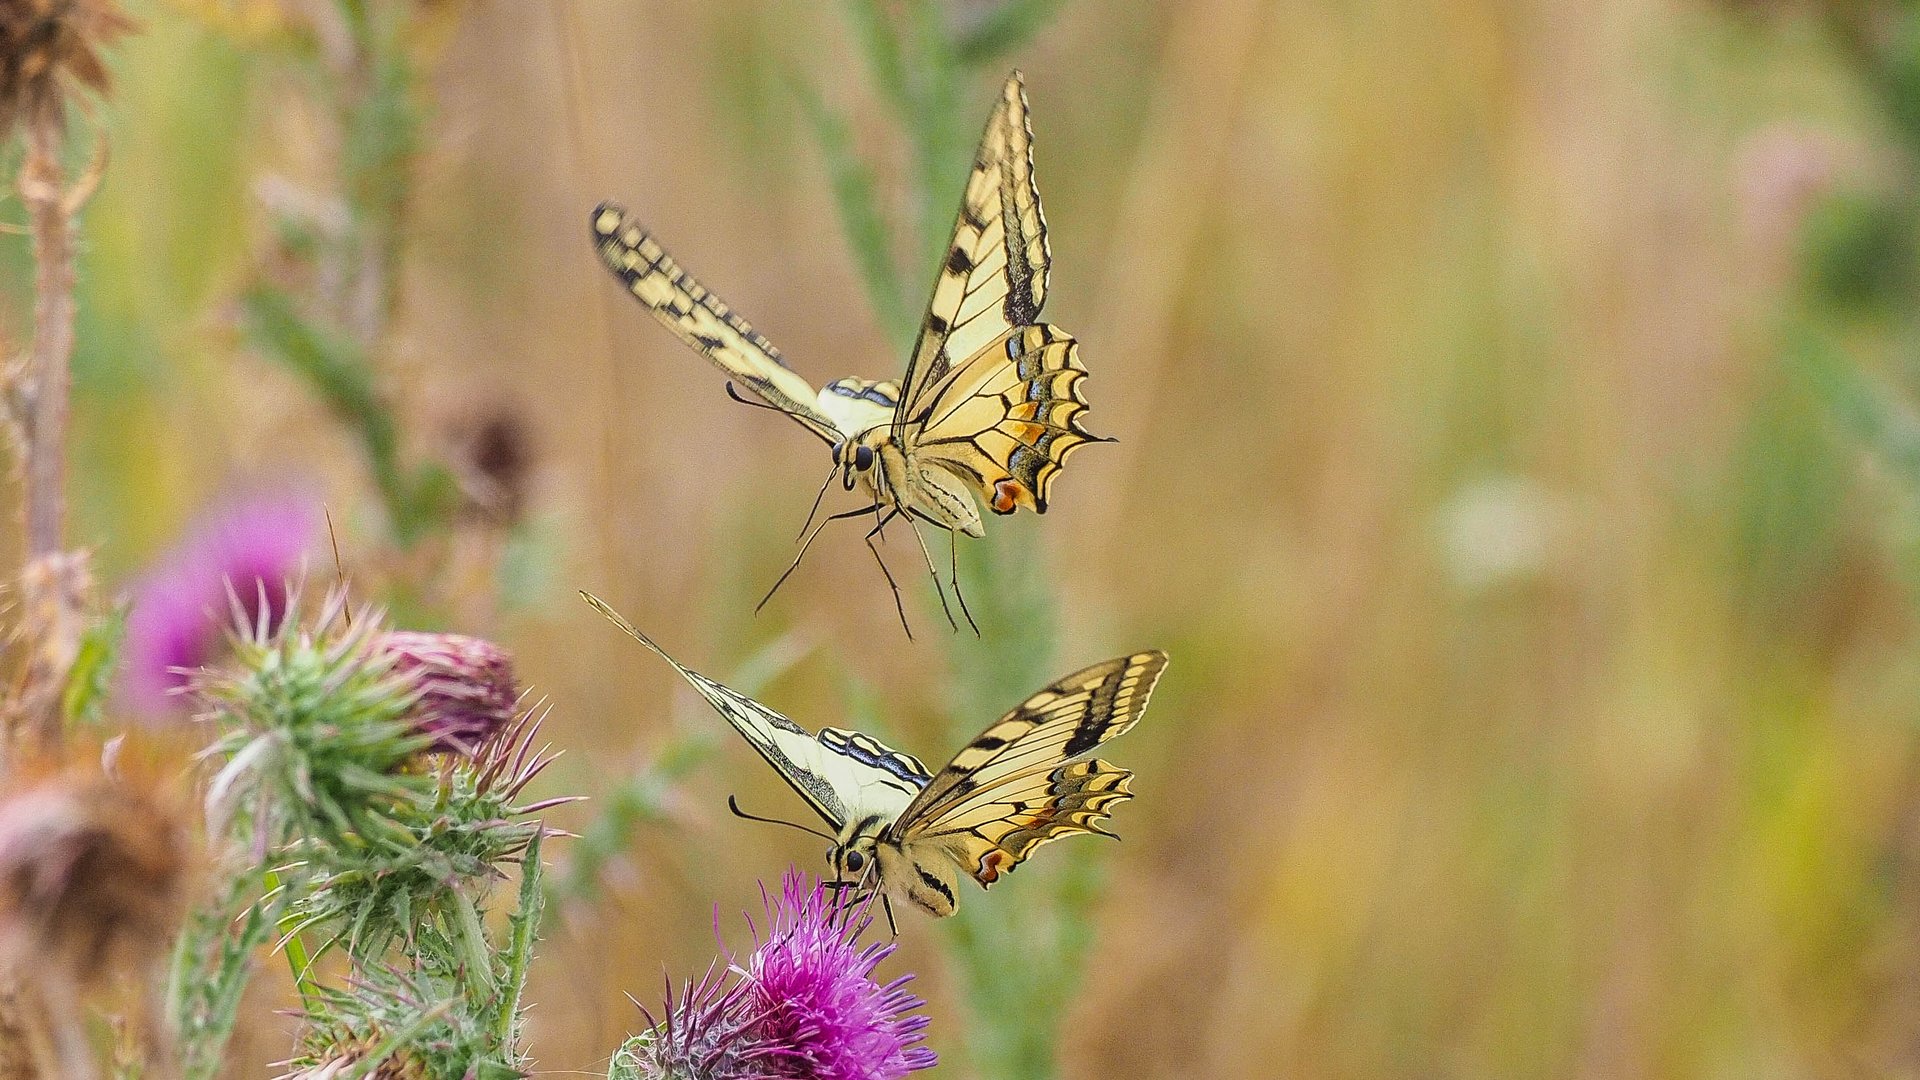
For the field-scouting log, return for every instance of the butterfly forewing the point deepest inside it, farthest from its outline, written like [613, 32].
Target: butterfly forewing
[993, 276]
[845, 776]
[703, 320]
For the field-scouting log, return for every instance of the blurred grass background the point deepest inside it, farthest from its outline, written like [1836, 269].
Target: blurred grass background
[1531, 518]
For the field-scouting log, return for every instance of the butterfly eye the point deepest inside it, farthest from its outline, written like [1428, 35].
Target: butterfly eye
[839, 450]
[863, 458]
[855, 860]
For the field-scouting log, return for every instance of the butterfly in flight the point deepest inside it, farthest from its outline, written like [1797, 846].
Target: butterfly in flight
[990, 404]
[905, 832]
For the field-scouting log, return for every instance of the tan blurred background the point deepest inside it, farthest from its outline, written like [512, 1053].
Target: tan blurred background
[1543, 694]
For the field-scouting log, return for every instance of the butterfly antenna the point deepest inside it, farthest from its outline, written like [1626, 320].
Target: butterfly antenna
[938, 589]
[953, 562]
[808, 543]
[898, 604]
[734, 805]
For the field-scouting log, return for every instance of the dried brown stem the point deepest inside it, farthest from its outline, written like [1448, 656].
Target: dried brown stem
[54, 584]
[41, 402]
[54, 595]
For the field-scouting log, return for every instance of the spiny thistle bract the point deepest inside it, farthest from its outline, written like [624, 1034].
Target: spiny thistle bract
[457, 843]
[386, 768]
[805, 1006]
[390, 1026]
[318, 731]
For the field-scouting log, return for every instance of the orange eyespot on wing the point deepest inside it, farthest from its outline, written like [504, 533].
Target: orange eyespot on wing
[1007, 496]
[993, 864]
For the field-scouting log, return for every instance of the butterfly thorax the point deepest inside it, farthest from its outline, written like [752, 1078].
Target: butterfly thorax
[871, 459]
[920, 875]
[877, 463]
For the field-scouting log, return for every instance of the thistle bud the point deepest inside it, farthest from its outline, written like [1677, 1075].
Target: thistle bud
[350, 1061]
[467, 693]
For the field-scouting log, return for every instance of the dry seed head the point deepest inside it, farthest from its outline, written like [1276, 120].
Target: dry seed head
[93, 873]
[493, 463]
[48, 50]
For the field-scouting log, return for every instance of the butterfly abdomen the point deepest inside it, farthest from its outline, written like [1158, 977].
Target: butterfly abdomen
[921, 876]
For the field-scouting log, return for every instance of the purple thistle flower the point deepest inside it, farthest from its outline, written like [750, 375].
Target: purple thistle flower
[707, 1035]
[805, 1006]
[180, 612]
[466, 687]
[814, 982]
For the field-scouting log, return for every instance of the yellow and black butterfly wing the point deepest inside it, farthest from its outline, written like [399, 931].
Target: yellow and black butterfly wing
[993, 277]
[1006, 419]
[703, 320]
[1026, 780]
[844, 775]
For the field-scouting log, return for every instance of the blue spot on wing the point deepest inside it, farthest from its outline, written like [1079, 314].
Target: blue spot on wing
[869, 752]
[856, 389]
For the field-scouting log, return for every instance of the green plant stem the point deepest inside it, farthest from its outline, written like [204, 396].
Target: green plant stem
[476, 955]
[297, 956]
[523, 929]
[212, 962]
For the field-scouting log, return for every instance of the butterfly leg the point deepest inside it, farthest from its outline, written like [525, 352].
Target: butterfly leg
[898, 604]
[932, 573]
[795, 565]
[821, 495]
[886, 905]
[953, 572]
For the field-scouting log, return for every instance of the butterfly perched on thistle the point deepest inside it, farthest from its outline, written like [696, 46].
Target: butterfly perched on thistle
[989, 407]
[904, 831]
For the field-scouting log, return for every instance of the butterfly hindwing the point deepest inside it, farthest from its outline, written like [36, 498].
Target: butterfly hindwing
[703, 320]
[1026, 779]
[1073, 798]
[883, 779]
[993, 275]
[1007, 418]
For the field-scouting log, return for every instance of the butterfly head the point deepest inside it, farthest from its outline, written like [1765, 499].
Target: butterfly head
[854, 857]
[855, 459]
[855, 854]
